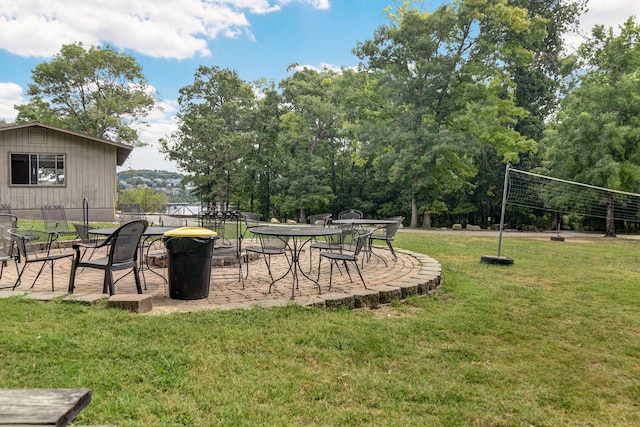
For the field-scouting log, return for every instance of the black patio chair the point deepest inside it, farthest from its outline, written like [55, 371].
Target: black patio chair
[122, 254]
[352, 245]
[332, 242]
[322, 219]
[33, 246]
[7, 250]
[130, 212]
[88, 241]
[386, 234]
[269, 246]
[251, 219]
[5, 208]
[351, 214]
[55, 222]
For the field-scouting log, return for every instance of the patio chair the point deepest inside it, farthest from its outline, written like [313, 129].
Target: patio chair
[333, 242]
[7, 251]
[251, 220]
[5, 208]
[130, 212]
[55, 222]
[386, 234]
[269, 246]
[122, 254]
[87, 240]
[322, 219]
[216, 221]
[352, 245]
[33, 247]
[350, 214]
[230, 248]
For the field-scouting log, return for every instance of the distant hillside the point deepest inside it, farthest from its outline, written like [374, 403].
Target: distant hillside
[169, 183]
[149, 174]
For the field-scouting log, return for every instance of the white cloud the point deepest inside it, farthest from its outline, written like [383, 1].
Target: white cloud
[610, 13]
[10, 95]
[158, 28]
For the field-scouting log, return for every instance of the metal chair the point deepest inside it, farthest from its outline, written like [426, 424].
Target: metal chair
[122, 255]
[33, 247]
[87, 240]
[251, 220]
[55, 222]
[130, 212]
[351, 214]
[55, 219]
[5, 208]
[269, 246]
[7, 251]
[386, 234]
[231, 244]
[322, 219]
[352, 245]
[330, 243]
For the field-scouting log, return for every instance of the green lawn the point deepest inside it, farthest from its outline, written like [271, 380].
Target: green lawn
[551, 340]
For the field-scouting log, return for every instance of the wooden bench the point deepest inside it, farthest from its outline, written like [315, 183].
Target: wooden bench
[42, 406]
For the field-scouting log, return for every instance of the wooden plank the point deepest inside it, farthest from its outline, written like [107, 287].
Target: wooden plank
[56, 407]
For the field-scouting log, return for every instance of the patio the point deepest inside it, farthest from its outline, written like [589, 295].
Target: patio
[410, 274]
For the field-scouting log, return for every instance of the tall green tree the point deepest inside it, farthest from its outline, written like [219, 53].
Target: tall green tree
[215, 133]
[308, 135]
[446, 77]
[537, 85]
[97, 91]
[595, 138]
[262, 163]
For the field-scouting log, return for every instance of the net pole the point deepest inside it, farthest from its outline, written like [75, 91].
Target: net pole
[504, 204]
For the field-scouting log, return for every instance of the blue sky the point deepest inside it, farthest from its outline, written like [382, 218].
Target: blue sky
[171, 38]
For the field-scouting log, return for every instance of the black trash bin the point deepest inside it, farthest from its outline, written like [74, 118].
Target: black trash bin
[189, 251]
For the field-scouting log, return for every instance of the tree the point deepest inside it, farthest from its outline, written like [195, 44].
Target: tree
[215, 133]
[148, 199]
[595, 138]
[447, 82]
[98, 91]
[308, 132]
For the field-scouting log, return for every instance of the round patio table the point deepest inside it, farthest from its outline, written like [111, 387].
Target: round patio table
[298, 236]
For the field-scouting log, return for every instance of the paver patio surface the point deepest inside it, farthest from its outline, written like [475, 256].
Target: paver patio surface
[226, 290]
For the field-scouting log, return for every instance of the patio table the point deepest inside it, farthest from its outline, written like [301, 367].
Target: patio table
[299, 236]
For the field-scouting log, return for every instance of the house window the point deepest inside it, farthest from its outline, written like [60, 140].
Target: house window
[37, 169]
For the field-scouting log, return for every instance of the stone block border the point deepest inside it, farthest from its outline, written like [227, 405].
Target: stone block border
[425, 281]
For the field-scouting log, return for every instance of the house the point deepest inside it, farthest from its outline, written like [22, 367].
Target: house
[47, 165]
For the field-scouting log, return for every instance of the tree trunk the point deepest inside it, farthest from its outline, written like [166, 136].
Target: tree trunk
[610, 229]
[426, 220]
[414, 212]
[303, 215]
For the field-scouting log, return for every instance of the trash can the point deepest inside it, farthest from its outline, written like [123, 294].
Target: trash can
[189, 251]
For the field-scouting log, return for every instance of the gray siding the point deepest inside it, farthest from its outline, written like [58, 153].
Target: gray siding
[90, 168]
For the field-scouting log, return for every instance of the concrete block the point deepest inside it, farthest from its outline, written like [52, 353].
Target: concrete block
[388, 293]
[45, 296]
[138, 303]
[408, 289]
[366, 298]
[89, 299]
[339, 300]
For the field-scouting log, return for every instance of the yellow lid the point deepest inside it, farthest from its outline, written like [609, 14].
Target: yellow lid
[190, 232]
